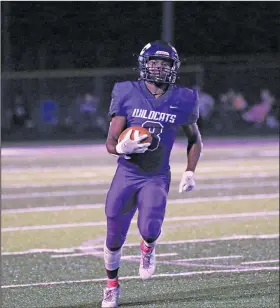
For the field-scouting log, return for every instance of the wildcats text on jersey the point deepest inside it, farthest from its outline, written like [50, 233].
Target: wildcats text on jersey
[154, 115]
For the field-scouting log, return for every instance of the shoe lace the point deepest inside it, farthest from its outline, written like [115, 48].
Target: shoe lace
[110, 295]
[146, 259]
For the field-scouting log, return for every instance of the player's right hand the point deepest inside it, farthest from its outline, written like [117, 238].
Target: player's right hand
[187, 182]
[128, 146]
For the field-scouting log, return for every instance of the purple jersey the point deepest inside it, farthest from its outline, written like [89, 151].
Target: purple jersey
[161, 116]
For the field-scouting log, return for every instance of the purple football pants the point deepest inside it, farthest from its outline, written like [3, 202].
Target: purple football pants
[129, 192]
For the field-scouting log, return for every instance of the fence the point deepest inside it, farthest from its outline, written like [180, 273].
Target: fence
[63, 87]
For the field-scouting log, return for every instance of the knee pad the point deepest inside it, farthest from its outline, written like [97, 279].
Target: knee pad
[115, 241]
[150, 229]
[115, 237]
[151, 240]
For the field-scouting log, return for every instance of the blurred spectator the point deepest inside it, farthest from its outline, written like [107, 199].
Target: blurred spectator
[229, 111]
[19, 115]
[260, 113]
[239, 103]
[226, 100]
[206, 107]
[48, 116]
[49, 112]
[233, 101]
[87, 115]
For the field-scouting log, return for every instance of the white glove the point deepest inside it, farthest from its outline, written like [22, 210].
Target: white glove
[128, 146]
[187, 182]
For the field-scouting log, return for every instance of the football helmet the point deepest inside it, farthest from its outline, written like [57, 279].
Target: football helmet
[159, 50]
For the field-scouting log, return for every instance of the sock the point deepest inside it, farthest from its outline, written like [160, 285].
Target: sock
[112, 283]
[147, 247]
[112, 274]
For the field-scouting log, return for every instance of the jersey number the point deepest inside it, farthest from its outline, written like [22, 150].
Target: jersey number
[155, 128]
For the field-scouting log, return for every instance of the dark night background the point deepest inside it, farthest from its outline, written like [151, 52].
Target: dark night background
[234, 46]
[98, 34]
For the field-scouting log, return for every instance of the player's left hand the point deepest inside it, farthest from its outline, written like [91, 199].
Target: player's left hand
[187, 182]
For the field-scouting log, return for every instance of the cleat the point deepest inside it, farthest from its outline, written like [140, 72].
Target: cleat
[111, 297]
[147, 262]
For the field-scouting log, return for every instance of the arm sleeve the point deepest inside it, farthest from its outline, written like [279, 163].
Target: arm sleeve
[193, 117]
[117, 102]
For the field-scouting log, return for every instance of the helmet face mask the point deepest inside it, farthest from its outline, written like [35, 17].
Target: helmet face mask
[158, 63]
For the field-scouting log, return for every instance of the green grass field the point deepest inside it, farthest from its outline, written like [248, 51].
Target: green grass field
[219, 246]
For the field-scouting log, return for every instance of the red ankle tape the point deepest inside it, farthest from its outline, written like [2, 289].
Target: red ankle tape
[112, 283]
[145, 248]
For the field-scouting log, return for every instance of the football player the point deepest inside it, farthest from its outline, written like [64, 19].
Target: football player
[142, 177]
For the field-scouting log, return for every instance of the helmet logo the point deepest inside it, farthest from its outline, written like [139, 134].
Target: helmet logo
[145, 48]
[162, 53]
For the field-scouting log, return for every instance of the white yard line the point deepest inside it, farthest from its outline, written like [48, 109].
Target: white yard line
[66, 193]
[58, 184]
[57, 208]
[209, 258]
[167, 219]
[108, 181]
[80, 254]
[175, 167]
[185, 274]
[178, 167]
[6, 176]
[50, 194]
[46, 170]
[158, 255]
[179, 242]
[101, 253]
[261, 262]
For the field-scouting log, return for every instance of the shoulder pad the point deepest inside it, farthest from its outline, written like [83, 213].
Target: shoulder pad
[122, 88]
[120, 92]
[190, 104]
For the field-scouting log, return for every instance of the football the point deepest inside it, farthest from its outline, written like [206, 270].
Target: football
[142, 131]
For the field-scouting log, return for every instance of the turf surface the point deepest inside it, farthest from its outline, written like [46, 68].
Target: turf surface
[219, 247]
